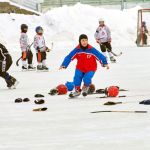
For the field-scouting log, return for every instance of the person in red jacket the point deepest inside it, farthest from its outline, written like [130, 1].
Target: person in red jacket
[86, 56]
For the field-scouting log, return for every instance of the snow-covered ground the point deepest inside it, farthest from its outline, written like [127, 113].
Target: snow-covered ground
[68, 124]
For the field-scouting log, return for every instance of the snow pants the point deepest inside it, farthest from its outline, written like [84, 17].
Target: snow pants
[106, 46]
[86, 77]
[27, 56]
[4, 67]
[41, 56]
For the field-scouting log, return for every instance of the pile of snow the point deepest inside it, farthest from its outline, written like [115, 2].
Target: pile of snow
[68, 22]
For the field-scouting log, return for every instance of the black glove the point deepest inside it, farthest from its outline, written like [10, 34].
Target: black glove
[47, 49]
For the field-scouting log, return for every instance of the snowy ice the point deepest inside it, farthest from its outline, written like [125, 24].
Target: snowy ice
[68, 124]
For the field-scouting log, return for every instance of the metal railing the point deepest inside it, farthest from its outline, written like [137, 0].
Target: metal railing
[32, 4]
[43, 5]
[122, 3]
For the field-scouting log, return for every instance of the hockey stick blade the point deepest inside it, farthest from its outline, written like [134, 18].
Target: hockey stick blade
[110, 103]
[40, 109]
[17, 62]
[115, 103]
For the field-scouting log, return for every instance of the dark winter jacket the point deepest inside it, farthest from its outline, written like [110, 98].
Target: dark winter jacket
[3, 52]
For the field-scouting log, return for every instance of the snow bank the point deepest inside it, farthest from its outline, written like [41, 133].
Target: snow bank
[66, 23]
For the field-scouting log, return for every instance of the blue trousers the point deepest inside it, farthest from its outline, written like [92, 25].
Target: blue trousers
[86, 77]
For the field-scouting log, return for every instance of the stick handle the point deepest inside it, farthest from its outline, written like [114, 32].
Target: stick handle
[140, 111]
[124, 111]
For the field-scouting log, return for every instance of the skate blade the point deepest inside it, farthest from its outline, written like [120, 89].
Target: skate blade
[42, 70]
[24, 70]
[31, 69]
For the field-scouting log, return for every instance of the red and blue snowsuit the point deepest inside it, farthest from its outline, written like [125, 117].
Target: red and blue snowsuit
[86, 64]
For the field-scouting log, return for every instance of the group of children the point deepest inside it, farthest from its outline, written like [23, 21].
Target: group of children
[27, 55]
[86, 55]
[39, 45]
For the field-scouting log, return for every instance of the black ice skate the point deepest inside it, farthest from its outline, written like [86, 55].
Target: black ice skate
[30, 67]
[39, 68]
[45, 68]
[12, 83]
[24, 68]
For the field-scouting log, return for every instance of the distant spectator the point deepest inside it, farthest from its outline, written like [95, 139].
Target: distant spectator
[142, 34]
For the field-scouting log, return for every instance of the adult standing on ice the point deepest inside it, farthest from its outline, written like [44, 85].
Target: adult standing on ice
[41, 48]
[25, 47]
[142, 34]
[5, 63]
[86, 56]
[103, 38]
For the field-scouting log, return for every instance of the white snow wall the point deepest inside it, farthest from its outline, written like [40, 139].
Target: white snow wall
[68, 22]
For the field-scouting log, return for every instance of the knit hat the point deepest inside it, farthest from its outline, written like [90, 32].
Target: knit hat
[82, 36]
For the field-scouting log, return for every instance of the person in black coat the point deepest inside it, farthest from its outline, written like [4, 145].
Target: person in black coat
[5, 63]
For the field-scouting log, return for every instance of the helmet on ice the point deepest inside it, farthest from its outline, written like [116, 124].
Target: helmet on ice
[112, 91]
[62, 89]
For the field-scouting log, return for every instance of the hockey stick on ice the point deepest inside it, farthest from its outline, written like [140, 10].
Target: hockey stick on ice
[121, 111]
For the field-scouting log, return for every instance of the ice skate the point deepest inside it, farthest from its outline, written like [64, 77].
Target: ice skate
[12, 83]
[45, 68]
[31, 68]
[85, 90]
[24, 68]
[74, 94]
